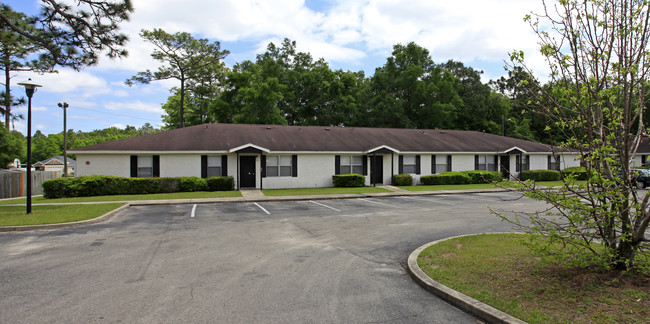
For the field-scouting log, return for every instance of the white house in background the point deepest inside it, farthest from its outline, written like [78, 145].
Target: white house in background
[55, 163]
[274, 156]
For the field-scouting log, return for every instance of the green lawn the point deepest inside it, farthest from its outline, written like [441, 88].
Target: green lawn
[173, 195]
[321, 191]
[450, 187]
[15, 215]
[499, 271]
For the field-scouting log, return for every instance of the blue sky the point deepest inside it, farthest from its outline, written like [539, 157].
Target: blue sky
[351, 35]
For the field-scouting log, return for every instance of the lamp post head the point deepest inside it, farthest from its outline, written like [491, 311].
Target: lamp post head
[63, 105]
[30, 87]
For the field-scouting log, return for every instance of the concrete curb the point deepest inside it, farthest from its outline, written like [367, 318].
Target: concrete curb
[59, 225]
[462, 301]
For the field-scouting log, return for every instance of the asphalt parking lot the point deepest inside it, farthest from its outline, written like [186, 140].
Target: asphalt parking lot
[332, 261]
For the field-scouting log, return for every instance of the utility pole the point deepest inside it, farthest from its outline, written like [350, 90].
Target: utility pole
[64, 105]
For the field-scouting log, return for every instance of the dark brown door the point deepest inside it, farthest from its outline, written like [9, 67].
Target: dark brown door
[247, 171]
[505, 166]
[377, 169]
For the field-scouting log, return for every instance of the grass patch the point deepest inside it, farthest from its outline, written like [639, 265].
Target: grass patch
[450, 187]
[499, 271]
[173, 195]
[321, 191]
[15, 215]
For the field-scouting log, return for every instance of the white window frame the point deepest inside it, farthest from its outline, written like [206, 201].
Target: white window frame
[279, 166]
[145, 166]
[214, 166]
[409, 164]
[352, 164]
[486, 163]
[441, 167]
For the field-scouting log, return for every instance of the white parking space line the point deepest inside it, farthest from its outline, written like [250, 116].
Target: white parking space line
[376, 202]
[431, 200]
[193, 211]
[319, 204]
[262, 208]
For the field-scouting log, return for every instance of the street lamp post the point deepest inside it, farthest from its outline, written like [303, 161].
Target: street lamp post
[30, 88]
[64, 105]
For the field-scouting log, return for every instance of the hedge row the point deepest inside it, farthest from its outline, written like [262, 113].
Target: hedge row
[580, 173]
[348, 180]
[465, 177]
[402, 180]
[539, 175]
[109, 185]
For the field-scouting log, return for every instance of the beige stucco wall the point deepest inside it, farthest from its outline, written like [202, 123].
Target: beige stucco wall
[103, 164]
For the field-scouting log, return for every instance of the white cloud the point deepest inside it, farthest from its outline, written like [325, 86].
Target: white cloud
[135, 106]
[118, 125]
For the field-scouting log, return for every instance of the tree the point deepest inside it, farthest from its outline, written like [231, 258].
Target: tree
[73, 35]
[598, 60]
[12, 145]
[15, 51]
[185, 59]
[410, 91]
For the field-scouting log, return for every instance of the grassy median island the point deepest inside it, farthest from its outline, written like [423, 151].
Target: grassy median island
[322, 191]
[160, 196]
[15, 215]
[499, 271]
[450, 187]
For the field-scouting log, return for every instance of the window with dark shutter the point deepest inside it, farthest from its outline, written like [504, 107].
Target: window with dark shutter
[337, 164]
[294, 165]
[156, 165]
[204, 166]
[433, 164]
[401, 164]
[224, 165]
[134, 166]
[417, 164]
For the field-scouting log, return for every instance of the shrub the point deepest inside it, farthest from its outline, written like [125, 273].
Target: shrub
[221, 183]
[446, 178]
[348, 180]
[481, 176]
[539, 175]
[188, 184]
[579, 173]
[402, 180]
[109, 185]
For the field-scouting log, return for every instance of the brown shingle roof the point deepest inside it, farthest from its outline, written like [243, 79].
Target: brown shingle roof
[224, 137]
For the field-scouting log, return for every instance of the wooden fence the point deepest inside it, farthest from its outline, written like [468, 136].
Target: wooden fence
[13, 183]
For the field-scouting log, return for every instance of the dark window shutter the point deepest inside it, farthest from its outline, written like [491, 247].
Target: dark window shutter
[433, 164]
[401, 164]
[156, 165]
[475, 162]
[224, 165]
[204, 166]
[134, 166]
[644, 158]
[263, 165]
[449, 163]
[417, 164]
[294, 165]
[337, 164]
[496, 163]
[548, 162]
[365, 164]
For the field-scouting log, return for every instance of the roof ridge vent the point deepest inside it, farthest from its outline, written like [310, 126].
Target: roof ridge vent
[327, 128]
[268, 127]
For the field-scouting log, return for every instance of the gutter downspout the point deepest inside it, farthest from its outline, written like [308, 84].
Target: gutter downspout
[238, 174]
